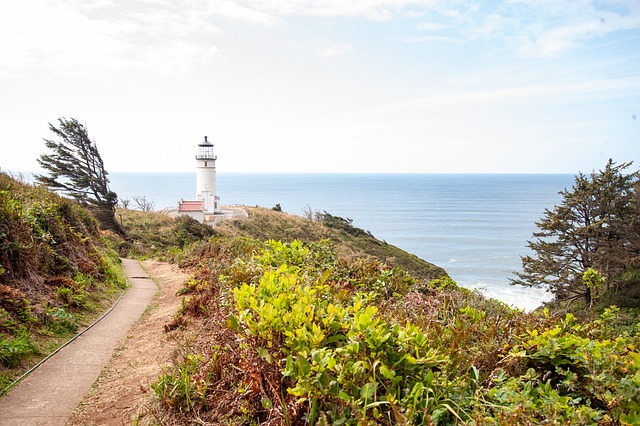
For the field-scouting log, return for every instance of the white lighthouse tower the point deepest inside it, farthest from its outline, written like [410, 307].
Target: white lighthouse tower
[206, 178]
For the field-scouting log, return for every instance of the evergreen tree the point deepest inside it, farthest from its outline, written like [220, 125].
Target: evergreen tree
[76, 170]
[595, 227]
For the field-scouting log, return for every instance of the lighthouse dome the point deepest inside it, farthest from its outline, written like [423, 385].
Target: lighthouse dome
[205, 150]
[205, 142]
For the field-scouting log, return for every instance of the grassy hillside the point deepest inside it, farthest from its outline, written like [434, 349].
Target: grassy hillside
[295, 321]
[155, 234]
[55, 271]
[349, 241]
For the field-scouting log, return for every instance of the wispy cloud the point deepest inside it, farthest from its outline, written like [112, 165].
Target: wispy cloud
[43, 35]
[335, 49]
[236, 11]
[544, 94]
[431, 26]
[433, 38]
[372, 9]
[548, 28]
[87, 36]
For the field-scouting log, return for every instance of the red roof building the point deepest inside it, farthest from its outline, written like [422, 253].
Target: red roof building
[195, 209]
[190, 206]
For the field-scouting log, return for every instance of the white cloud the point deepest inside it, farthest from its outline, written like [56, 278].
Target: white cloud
[426, 39]
[373, 9]
[432, 26]
[43, 35]
[549, 28]
[335, 49]
[91, 39]
[176, 57]
[234, 10]
[88, 37]
[549, 93]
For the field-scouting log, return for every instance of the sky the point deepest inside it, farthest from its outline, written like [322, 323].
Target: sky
[362, 86]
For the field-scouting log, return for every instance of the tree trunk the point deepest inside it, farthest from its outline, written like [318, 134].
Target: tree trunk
[106, 217]
[587, 297]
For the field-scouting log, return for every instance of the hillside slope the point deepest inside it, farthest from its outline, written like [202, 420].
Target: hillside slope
[288, 320]
[55, 270]
[155, 234]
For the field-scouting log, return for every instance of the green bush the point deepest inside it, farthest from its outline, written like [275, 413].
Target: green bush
[304, 337]
[585, 364]
[12, 350]
[59, 322]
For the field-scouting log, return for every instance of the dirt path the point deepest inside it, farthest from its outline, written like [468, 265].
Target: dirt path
[120, 394]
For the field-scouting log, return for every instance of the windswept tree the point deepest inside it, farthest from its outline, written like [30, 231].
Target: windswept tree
[76, 170]
[596, 227]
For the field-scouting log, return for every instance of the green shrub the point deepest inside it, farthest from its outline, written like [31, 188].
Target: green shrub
[343, 360]
[183, 386]
[585, 365]
[310, 338]
[59, 322]
[12, 350]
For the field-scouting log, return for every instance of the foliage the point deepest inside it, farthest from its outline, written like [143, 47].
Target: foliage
[75, 169]
[289, 333]
[596, 226]
[12, 350]
[578, 373]
[344, 224]
[593, 280]
[55, 268]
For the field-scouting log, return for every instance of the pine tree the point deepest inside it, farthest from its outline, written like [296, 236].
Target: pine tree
[76, 170]
[596, 226]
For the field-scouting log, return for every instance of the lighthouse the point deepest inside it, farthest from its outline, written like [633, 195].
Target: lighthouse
[206, 207]
[206, 178]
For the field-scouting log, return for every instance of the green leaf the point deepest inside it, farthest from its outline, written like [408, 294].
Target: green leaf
[267, 403]
[417, 390]
[331, 363]
[377, 404]
[304, 368]
[334, 338]
[366, 391]
[632, 417]
[344, 396]
[299, 390]
[289, 369]
[385, 372]
[474, 374]
[232, 323]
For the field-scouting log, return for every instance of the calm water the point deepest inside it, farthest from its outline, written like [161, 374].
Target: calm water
[474, 226]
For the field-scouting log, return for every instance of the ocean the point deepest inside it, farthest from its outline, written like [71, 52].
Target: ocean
[475, 226]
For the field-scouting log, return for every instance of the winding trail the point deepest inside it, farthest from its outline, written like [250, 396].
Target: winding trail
[49, 395]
